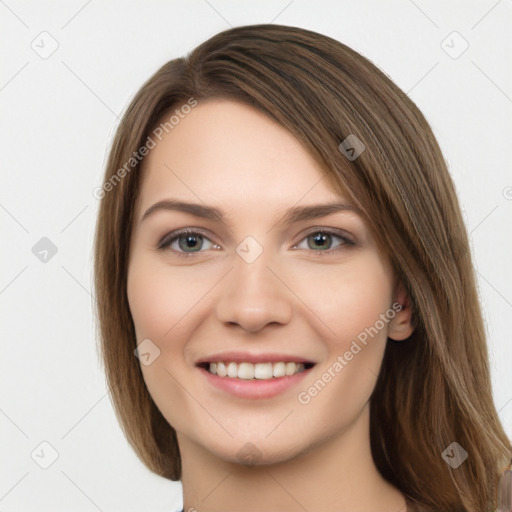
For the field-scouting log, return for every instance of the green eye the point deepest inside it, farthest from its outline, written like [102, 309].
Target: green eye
[187, 242]
[190, 241]
[321, 240]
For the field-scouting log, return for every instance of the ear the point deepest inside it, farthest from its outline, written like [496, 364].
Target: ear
[401, 326]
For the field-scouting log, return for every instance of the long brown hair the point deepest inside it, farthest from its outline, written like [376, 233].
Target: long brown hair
[433, 389]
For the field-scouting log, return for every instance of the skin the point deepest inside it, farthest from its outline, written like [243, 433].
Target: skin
[313, 456]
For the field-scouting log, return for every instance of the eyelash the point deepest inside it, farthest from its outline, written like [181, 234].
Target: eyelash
[165, 242]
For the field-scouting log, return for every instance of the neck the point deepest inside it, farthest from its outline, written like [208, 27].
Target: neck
[338, 475]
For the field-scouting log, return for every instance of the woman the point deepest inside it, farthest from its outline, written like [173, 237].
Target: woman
[286, 300]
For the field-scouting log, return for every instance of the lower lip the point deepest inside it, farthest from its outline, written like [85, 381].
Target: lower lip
[254, 388]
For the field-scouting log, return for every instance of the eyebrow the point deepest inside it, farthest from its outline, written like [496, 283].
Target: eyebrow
[292, 215]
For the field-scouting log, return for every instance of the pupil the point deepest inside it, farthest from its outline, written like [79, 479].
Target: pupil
[190, 242]
[320, 238]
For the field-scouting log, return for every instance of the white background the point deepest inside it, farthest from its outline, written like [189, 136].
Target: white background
[58, 118]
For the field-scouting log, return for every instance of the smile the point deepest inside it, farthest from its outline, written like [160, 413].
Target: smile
[250, 371]
[254, 380]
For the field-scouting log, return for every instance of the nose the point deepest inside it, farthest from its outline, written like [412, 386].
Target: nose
[254, 295]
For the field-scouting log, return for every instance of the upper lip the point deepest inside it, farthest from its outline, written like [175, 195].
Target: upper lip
[245, 357]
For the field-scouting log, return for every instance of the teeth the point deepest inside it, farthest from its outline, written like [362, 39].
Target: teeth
[290, 368]
[232, 370]
[221, 369]
[245, 370]
[261, 371]
[279, 369]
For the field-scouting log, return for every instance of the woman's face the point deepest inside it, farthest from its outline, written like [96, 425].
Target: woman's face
[266, 285]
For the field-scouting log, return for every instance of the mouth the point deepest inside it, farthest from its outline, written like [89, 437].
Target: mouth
[255, 371]
[256, 379]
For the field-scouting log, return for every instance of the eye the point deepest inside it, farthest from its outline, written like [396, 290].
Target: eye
[185, 242]
[319, 239]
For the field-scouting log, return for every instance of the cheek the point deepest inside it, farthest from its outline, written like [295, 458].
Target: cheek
[348, 298]
[159, 301]
[160, 297]
[151, 303]
[359, 294]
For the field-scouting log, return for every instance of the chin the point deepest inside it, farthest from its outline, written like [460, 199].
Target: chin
[253, 452]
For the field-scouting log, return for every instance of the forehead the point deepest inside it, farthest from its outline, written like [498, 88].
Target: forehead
[229, 153]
